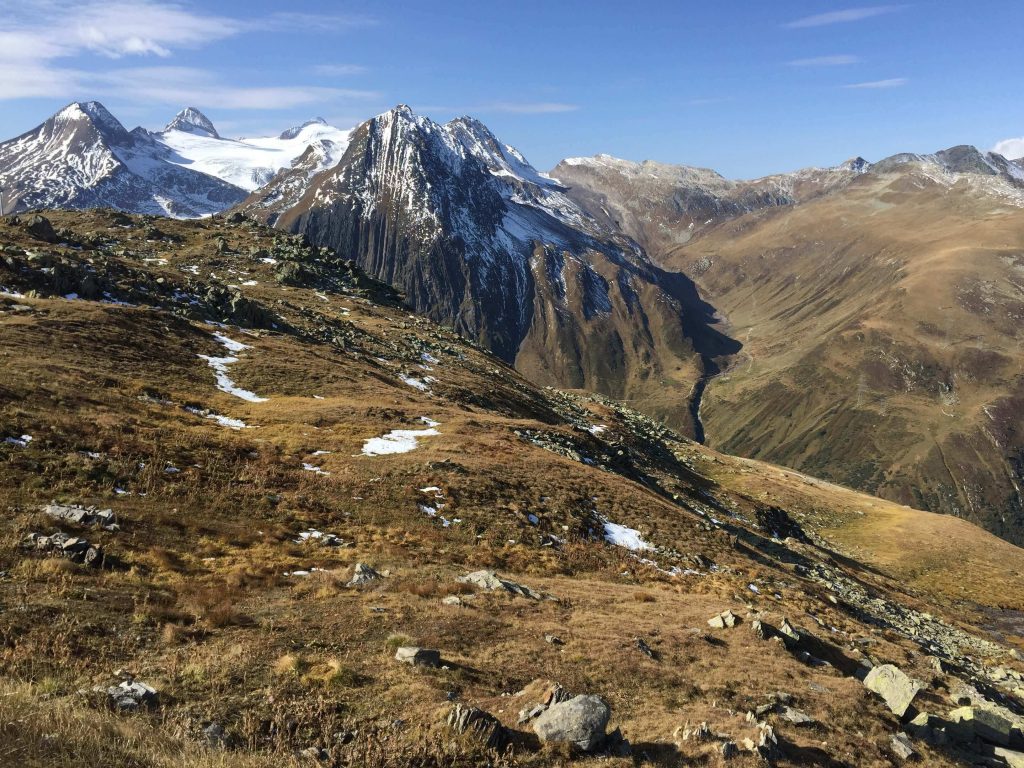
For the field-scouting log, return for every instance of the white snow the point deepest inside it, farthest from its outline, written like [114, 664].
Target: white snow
[224, 421]
[399, 440]
[220, 368]
[415, 383]
[313, 468]
[20, 442]
[621, 536]
[251, 163]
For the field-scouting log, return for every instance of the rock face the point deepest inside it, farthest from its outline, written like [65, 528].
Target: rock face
[581, 721]
[893, 686]
[479, 240]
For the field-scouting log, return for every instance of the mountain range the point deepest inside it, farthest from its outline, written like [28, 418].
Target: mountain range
[703, 301]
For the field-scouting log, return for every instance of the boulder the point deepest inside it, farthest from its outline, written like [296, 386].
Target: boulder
[41, 229]
[795, 716]
[988, 722]
[725, 619]
[362, 574]
[490, 581]
[902, 747]
[893, 686]
[1012, 758]
[130, 695]
[479, 725]
[581, 720]
[418, 657]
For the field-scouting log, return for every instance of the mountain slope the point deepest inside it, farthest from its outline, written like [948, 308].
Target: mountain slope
[256, 414]
[82, 157]
[900, 296]
[479, 240]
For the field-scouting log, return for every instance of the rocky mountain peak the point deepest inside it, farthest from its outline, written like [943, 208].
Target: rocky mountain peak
[80, 114]
[856, 164]
[191, 120]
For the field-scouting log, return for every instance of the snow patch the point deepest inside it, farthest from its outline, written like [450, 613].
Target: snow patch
[622, 536]
[399, 440]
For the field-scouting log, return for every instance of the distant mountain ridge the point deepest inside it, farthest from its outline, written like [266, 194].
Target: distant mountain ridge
[83, 157]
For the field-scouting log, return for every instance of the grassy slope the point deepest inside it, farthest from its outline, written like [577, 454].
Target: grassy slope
[900, 299]
[196, 602]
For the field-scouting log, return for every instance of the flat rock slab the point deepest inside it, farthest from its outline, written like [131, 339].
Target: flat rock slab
[893, 686]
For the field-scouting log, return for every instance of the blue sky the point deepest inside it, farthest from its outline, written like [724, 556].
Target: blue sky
[745, 87]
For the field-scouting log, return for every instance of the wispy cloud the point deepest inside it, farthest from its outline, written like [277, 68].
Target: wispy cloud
[185, 85]
[45, 45]
[339, 70]
[843, 16]
[892, 82]
[825, 61]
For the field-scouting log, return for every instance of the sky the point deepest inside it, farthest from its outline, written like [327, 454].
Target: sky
[745, 87]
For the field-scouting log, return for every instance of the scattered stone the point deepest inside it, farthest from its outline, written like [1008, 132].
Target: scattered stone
[902, 747]
[701, 733]
[555, 694]
[725, 619]
[894, 686]
[795, 716]
[760, 629]
[729, 750]
[75, 549]
[490, 581]
[418, 657]
[644, 648]
[790, 636]
[83, 515]
[481, 726]
[553, 639]
[452, 600]
[989, 722]
[129, 695]
[528, 713]
[362, 574]
[581, 721]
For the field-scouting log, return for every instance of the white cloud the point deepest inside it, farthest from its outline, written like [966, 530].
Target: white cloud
[40, 38]
[825, 61]
[893, 82]
[1010, 148]
[185, 85]
[339, 70]
[843, 16]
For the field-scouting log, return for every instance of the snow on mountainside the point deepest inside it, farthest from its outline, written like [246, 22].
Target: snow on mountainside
[246, 163]
[82, 157]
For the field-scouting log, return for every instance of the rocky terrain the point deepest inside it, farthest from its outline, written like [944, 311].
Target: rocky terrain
[480, 241]
[260, 514]
[894, 287]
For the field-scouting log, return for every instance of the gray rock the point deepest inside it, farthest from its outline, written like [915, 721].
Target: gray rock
[893, 686]
[490, 581]
[795, 716]
[902, 747]
[362, 574]
[214, 735]
[451, 600]
[129, 695]
[725, 619]
[729, 749]
[989, 722]
[581, 721]
[553, 639]
[1011, 757]
[481, 726]
[418, 657]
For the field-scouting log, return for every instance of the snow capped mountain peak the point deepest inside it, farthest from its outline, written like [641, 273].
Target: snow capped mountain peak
[191, 120]
[856, 164]
[91, 113]
[293, 132]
